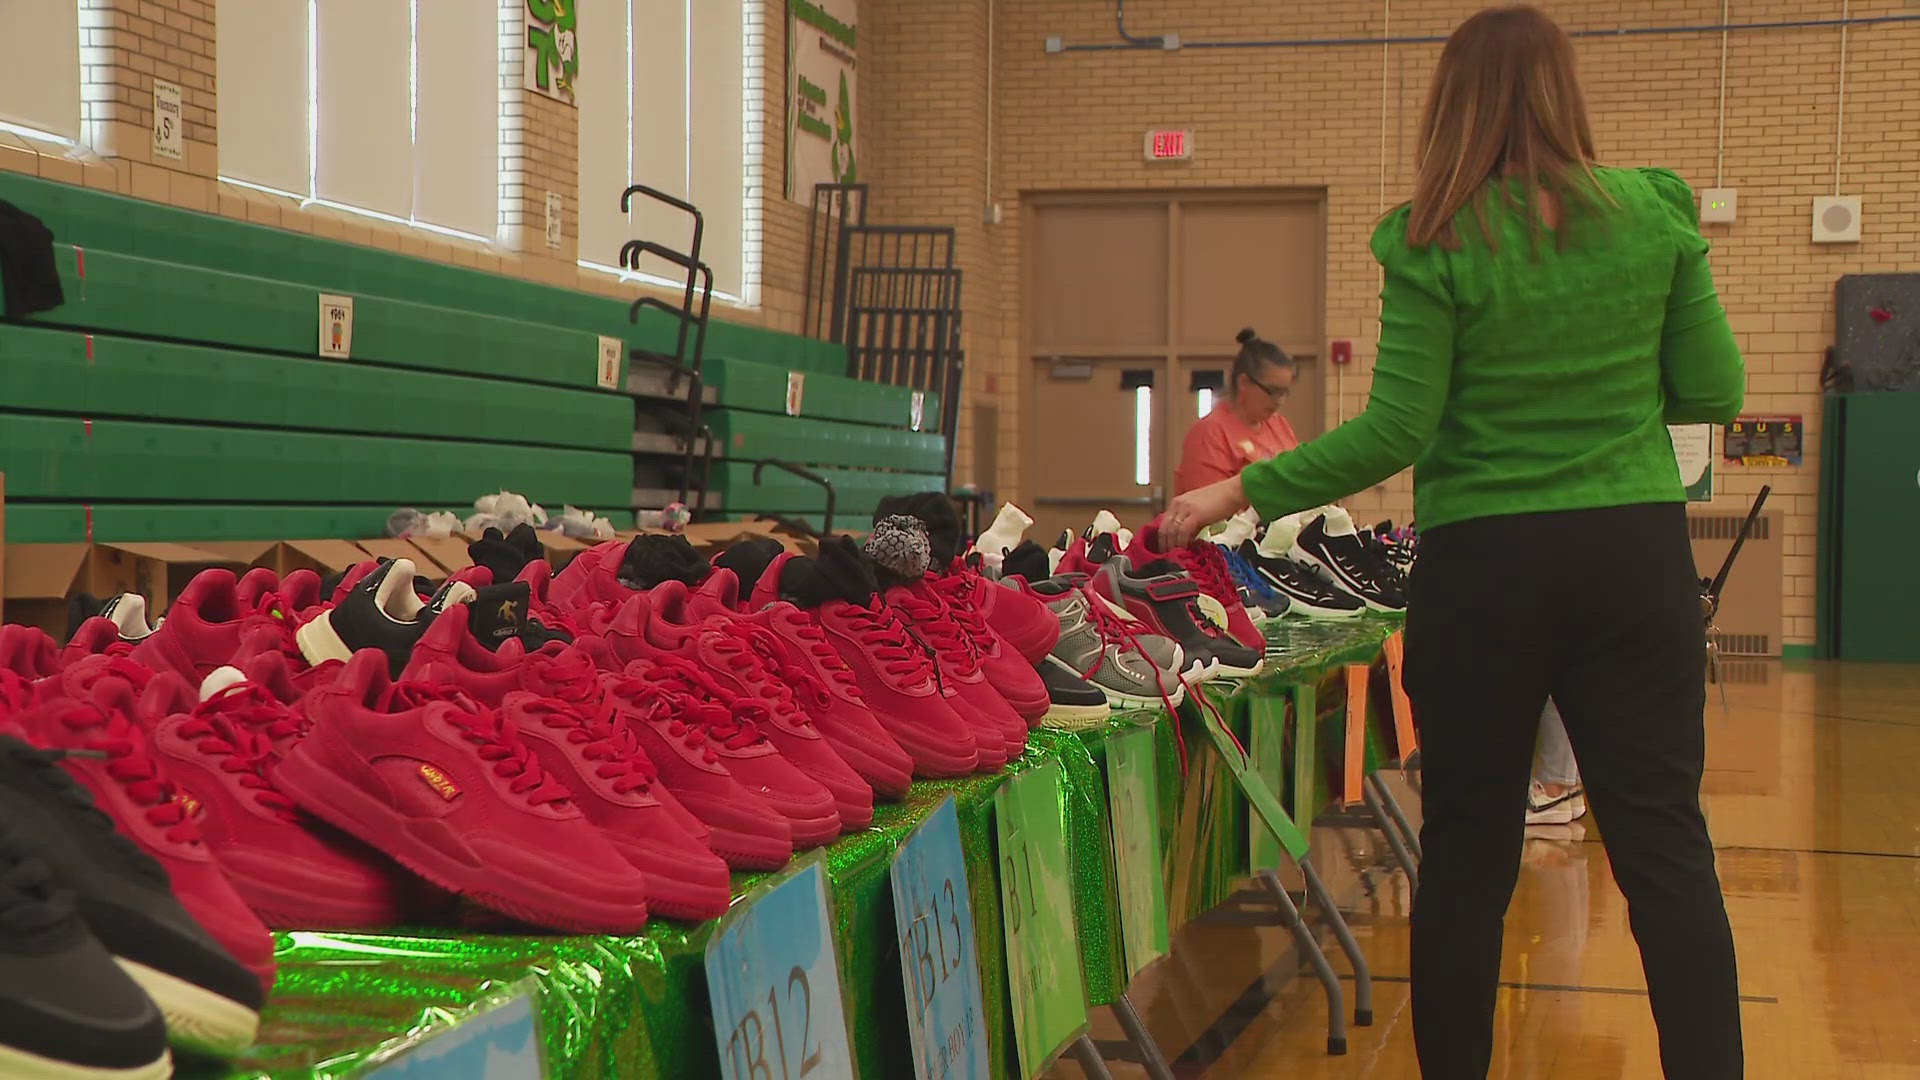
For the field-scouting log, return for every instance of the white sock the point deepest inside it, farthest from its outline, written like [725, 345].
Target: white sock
[1339, 522]
[220, 679]
[1004, 534]
[1238, 529]
[1123, 539]
[1105, 522]
[128, 611]
[1054, 555]
[1280, 537]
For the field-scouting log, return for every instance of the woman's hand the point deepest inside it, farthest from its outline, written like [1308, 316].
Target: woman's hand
[1199, 508]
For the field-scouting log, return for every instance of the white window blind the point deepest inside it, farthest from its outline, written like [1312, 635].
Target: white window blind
[261, 49]
[363, 141]
[40, 66]
[456, 145]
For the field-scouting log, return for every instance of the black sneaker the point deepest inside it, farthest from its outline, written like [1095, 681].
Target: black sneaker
[1167, 602]
[66, 1009]
[1073, 703]
[1307, 593]
[383, 612]
[211, 1003]
[1335, 547]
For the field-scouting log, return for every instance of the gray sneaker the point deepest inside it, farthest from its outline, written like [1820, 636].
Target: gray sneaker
[1118, 665]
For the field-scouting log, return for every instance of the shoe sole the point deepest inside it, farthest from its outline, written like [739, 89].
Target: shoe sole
[1310, 559]
[20, 1065]
[198, 1020]
[1076, 717]
[343, 806]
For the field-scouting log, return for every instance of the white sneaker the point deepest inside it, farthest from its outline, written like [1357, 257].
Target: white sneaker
[1544, 809]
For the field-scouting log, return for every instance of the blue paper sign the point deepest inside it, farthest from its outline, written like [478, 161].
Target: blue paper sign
[774, 987]
[937, 957]
[501, 1043]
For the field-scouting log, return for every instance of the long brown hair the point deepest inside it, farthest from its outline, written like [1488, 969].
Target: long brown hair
[1505, 103]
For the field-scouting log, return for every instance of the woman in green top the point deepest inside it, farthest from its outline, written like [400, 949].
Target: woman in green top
[1543, 319]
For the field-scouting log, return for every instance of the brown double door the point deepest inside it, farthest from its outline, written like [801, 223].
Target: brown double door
[1132, 302]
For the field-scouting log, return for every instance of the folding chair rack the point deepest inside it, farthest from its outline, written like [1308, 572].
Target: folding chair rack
[690, 339]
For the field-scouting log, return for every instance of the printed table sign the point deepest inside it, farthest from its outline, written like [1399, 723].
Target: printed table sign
[773, 985]
[608, 375]
[501, 1043]
[1036, 902]
[937, 956]
[1134, 797]
[336, 326]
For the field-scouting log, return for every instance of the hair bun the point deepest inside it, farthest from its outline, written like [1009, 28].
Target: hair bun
[1247, 336]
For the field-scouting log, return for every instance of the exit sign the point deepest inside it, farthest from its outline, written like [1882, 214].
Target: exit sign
[1169, 145]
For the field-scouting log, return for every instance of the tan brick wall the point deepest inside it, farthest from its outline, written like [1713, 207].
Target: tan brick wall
[1341, 119]
[125, 44]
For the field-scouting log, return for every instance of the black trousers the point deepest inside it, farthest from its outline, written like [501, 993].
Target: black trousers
[1599, 609]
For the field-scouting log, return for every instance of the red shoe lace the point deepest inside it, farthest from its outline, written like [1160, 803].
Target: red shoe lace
[660, 706]
[771, 670]
[569, 676]
[727, 718]
[1115, 630]
[934, 624]
[244, 754]
[825, 657]
[496, 742]
[888, 641]
[271, 610]
[1208, 568]
[131, 765]
[958, 591]
[251, 707]
[614, 746]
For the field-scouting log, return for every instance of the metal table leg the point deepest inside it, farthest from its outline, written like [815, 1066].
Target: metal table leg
[1089, 1059]
[1391, 830]
[1309, 948]
[1155, 1061]
[1362, 976]
[1399, 816]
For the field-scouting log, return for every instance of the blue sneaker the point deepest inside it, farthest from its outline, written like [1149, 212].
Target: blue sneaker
[1260, 598]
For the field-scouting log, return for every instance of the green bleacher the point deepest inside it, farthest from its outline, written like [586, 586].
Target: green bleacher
[177, 394]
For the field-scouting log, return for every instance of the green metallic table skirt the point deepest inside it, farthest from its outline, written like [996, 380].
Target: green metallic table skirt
[637, 1006]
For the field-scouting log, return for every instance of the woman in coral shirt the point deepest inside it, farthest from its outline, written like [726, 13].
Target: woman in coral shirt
[1245, 425]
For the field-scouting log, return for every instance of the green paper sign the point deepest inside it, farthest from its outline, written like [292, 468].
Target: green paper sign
[1036, 902]
[1267, 748]
[1135, 801]
[1259, 795]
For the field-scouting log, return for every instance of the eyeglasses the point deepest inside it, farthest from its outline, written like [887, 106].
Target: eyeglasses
[1277, 393]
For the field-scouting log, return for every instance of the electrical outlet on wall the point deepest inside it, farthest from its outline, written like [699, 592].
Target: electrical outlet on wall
[1718, 205]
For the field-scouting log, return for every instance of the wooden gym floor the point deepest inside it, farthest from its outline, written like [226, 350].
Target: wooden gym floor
[1812, 797]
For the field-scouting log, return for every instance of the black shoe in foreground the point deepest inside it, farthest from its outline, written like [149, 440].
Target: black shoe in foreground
[211, 1003]
[1344, 558]
[67, 1011]
[1307, 593]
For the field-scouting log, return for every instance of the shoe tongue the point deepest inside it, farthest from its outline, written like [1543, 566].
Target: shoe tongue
[453, 592]
[224, 678]
[1338, 522]
[497, 614]
[899, 549]
[1238, 529]
[652, 560]
[1104, 523]
[936, 515]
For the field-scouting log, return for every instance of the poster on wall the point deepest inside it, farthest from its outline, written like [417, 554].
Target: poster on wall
[553, 53]
[1763, 440]
[822, 51]
[1693, 449]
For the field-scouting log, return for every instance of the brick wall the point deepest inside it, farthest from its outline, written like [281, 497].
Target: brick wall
[1341, 119]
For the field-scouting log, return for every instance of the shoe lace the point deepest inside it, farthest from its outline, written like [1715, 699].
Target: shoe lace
[775, 672]
[1243, 573]
[660, 706]
[569, 676]
[730, 719]
[899, 651]
[244, 754]
[957, 590]
[934, 625]
[130, 764]
[1207, 565]
[614, 746]
[493, 739]
[251, 707]
[825, 657]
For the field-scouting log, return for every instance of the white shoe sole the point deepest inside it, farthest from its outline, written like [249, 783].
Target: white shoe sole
[1564, 812]
[1125, 702]
[1226, 672]
[1076, 717]
[1311, 611]
[20, 1065]
[197, 1018]
[319, 643]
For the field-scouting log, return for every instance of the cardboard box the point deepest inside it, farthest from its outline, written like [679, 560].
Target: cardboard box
[450, 552]
[40, 578]
[424, 564]
[323, 557]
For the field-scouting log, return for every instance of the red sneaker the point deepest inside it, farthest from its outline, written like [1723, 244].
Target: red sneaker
[537, 576]
[894, 672]
[97, 636]
[1024, 623]
[445, 786]
[617, 787]
[29, 653]
[959, 666]
[449, 655]
[257, 586]
[299, 593]
[736, 724]
[202, 629]
[592, 577]
[129, 784]
[1202, 561]
[1011, 673]
[806, 662]
[293, 871]
[743, 829]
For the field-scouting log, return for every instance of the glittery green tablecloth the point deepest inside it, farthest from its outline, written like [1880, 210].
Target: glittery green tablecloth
[637, 1006]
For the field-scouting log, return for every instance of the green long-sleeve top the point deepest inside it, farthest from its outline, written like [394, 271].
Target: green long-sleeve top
[1527, 377]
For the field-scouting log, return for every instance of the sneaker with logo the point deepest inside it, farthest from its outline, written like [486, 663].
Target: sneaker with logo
[742, 828]
[957, 668]
[893, 672]
[78, 776]
[1308, 592]
[450, 790]
[1106, 651]
[1203, 561]
[1330, 543]
[292, 870]
[800, 656]
[1168, 603]
[380, 611]
[67, 1011]
[1262, 602]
